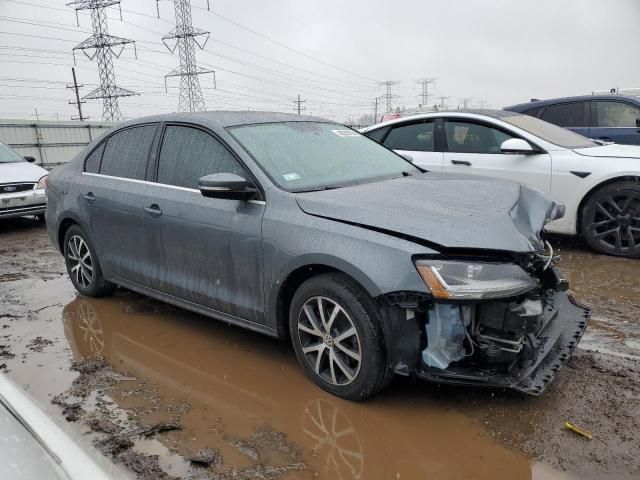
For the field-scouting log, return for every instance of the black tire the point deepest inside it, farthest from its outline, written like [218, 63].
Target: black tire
[610, 220]
[96, 285]
[40, 218]
[356, 309]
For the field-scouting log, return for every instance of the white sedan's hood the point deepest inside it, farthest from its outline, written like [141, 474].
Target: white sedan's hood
[613, 150]
[15, 172]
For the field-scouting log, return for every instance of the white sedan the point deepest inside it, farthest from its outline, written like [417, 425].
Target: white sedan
[598, 183]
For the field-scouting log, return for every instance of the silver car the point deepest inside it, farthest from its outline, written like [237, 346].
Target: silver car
[303, 229]
[22, 185]
[33, 447]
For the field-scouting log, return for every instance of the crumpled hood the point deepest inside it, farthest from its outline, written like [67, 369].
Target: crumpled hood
[16, 172]
[611, 150]
[446, 211]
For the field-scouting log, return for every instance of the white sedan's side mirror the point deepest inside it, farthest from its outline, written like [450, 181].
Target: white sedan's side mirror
[516, 145]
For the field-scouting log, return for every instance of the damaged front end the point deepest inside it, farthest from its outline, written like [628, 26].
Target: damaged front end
[486, 322]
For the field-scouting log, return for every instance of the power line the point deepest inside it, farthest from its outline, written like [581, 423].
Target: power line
[310, 57]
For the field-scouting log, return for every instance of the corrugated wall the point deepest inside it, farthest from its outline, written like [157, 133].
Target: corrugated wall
[50, 142]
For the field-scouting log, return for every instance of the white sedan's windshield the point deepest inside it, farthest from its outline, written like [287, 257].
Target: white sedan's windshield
[548, 131]
[302, 156]
[9, 156]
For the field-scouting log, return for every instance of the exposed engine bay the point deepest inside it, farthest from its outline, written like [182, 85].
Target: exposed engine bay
[518, 342]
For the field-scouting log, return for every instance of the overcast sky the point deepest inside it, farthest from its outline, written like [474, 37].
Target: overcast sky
[495, 51]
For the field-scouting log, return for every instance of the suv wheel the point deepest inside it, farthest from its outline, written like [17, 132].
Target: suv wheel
[335, 330]
[83, 266]
[611, 219]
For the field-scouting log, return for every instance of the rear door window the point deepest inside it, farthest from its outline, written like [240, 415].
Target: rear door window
[468, 137]
[188, 153]
[566, 114]
[415, 137]
[616, 114]
[126, 152]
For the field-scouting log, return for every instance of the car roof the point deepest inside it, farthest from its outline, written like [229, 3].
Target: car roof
[486, 112]
[551, 101]
[220, 119]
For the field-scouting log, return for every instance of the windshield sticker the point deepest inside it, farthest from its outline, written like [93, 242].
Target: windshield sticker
[346, 133]
[291, 176]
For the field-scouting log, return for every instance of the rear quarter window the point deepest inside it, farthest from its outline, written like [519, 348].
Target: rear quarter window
[378, 134]
[92, 162]
[126, 152]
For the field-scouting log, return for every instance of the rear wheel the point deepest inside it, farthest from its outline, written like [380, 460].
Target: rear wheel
[611, 219]
[335, 330]
[83, 265]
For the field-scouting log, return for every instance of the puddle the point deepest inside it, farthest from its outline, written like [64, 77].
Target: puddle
[234, 381]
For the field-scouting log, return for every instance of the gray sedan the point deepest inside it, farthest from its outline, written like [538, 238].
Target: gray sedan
[303, 229]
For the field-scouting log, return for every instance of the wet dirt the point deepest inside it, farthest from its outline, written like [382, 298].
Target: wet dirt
[170, 394]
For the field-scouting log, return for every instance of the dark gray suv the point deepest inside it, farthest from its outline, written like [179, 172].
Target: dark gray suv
[304, 229]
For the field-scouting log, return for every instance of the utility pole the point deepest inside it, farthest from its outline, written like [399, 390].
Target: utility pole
[100, 45]
[389, 96]
[299, 103]
[78, 102]
[425, 83]
[184, 38]
[375, 110]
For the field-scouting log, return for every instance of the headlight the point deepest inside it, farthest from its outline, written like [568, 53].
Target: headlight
[42, 183]
[449, 279]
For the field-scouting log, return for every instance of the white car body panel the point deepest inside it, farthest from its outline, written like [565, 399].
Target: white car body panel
[18, 203]
[550, 172]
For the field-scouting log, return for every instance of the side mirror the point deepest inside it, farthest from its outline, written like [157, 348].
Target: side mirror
[226, 185]
[408, 158]
[638, 122]
[517, 146]
[29, 158]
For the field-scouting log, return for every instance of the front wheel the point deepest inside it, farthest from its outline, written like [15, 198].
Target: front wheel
[611, 219]
[83, 266]
[335, 330]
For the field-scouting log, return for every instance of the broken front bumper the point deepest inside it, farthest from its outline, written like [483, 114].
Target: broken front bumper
[533, 372]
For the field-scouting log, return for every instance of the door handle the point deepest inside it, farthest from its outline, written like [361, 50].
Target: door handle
[90, 197]
[461, 162]
[153, 210]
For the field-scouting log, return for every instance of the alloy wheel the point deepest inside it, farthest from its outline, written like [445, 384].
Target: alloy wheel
[80, 262]
[329, 341]
[614, 223]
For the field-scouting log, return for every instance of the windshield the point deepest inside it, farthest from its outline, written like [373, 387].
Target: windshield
[303, 156]
[549, 132]
[7, 155]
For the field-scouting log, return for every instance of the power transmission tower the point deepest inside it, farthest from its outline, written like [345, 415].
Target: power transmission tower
[184, 38]
[299, 103]
[481, 104]
[442, 100]
[78, 102]
[425, 83]
[389, 96]
[103, 47]
[465, 101]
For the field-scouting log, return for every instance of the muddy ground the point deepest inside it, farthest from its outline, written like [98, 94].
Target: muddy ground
[170, 394]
